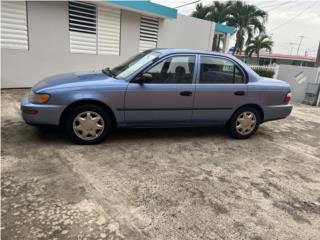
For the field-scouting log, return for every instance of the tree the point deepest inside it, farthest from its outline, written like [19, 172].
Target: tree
[201, 11]
[248, 21]
[217, 12]
[257, 44]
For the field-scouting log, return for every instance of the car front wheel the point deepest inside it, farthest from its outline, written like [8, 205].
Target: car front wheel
[88, 124]
[244, 123]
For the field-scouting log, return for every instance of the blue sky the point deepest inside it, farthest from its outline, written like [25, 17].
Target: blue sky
[287, 21]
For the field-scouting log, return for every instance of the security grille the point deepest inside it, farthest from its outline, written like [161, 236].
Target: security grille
[14, 27]
[94, 29]
[82, 27]
[149, 28]
[108, 31]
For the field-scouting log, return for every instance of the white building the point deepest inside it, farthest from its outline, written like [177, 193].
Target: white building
[39, 39]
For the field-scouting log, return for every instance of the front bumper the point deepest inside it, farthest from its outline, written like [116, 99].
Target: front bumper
[275, 112]
[40, 114]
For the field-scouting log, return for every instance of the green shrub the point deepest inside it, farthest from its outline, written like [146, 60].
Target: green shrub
[265, 72]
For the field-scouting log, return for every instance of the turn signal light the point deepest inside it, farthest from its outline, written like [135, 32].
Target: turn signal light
[287, 98]
[43, 98]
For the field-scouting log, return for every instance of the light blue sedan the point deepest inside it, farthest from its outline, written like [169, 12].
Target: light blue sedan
[158, 88]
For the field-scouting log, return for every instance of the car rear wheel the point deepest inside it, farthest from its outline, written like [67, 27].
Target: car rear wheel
[88, 124]
[244, 123]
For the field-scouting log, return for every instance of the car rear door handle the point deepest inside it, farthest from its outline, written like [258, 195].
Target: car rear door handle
[239, 93]
[186, 93]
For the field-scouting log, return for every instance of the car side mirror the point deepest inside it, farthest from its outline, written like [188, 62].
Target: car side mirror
[144, 78]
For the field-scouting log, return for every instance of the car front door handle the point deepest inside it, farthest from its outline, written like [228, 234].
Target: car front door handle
[239, 93]
[186, 93]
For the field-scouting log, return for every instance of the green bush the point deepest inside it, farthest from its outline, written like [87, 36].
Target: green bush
[265, 72]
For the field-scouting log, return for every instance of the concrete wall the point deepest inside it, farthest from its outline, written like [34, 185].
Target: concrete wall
[186, 32]
[49, 49]
[298, 78]
[267, 61]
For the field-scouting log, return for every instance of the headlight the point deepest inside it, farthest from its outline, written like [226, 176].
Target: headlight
[39, 97]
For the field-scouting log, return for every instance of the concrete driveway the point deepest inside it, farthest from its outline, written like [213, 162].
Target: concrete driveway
[161, 184]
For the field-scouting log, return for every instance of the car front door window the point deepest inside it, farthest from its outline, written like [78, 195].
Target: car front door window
[173, 70]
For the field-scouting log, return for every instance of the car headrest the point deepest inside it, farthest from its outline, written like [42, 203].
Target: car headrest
[180, 71]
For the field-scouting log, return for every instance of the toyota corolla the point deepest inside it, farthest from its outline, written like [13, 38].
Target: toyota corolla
[158, 88]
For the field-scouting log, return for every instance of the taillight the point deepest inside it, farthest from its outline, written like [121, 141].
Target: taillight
[287, 98]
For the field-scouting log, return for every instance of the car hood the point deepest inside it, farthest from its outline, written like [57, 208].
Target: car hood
[71, 80]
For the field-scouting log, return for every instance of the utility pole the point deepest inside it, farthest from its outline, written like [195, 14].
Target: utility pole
[301, 37]
[318, 60]
[292, 44]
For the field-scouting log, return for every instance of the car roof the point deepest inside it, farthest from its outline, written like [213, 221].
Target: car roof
[166, 51]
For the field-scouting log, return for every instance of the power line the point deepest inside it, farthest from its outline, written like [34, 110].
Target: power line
[186, 4]
[261, 3]
[280, 5]
[288, 21]
[187, 9]
[274, 5]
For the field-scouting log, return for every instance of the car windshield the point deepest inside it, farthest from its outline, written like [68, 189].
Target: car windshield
[124, 70]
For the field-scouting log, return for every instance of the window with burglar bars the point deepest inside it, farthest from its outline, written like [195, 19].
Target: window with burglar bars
[94, 29]
[14, 25]
[149, 28]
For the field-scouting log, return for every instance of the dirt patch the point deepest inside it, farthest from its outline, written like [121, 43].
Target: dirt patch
[194, 183]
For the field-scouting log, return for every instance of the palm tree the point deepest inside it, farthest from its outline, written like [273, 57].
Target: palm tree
[258, 43]
[201, 11]
[248, 20]
[217, 12]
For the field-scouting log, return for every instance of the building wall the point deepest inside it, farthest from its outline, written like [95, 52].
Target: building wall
[298, 78]
[49, 48]
[186, 32]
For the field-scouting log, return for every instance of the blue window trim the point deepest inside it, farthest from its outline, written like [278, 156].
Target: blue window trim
[224, 28]
[147, 6]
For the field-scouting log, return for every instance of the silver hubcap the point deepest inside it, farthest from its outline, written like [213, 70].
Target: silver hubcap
[88, 125]
[246, 122]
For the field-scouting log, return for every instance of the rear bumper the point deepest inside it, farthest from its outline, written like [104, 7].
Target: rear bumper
[40, 114]
[275, 112]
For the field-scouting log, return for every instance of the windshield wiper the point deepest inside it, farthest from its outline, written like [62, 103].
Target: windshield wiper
[108, 72]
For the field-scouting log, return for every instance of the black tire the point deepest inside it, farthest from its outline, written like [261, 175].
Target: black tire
[73, 113]
[232, 124]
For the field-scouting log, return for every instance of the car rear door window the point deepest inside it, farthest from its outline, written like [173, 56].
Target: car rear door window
[215, 70]
[173, 70]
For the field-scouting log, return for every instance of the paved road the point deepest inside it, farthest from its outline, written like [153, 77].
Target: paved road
[194, 183]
